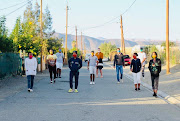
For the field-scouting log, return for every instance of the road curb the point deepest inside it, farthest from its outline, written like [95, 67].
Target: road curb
[162, 94]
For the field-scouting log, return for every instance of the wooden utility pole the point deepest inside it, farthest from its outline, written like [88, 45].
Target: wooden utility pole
[76, 40]
[167, 37]
[66, 57]
[41, 35]
[81, 45]
[122, 37]
[84, 48]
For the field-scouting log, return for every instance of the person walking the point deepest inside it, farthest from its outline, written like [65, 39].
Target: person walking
[142, 57]
[135, 67]
[59, 62]
[92, 65]
[75, 64]
[30, 67]
[155, 69]
[52, 65]
[99, 55]
[118, 64]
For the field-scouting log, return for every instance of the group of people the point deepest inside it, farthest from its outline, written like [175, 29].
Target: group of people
[95, 63]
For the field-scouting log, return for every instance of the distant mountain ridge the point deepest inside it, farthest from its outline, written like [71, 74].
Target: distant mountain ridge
[92, 43]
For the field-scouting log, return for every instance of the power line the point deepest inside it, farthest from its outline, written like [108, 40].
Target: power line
[13, 5]
[113, 18]
[17, 9]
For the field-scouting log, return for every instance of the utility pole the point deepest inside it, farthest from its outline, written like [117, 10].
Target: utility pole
[81, 45]
[41, 35]
[167, 37]
[66, 57]
[76, 40]
[84, 48]
[122, 37]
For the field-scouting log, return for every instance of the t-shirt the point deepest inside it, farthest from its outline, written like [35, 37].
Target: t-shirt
[93, 60]
[142, 56]
[60, 57]
[51, 58]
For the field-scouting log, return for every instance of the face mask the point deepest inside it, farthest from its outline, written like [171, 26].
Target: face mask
[154, 56]
[51, 53]
[141, 50]
[30, 56]
[92, 54]
[99, 51]
[74, 55]
[118, 51]
[59, 50]
[134, 57]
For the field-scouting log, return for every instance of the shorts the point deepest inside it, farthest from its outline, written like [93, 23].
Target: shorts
[92, 69]
[99, 67]
[137, 77]
[59, 65]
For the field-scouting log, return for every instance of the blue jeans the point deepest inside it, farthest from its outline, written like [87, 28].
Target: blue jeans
[30, 79]
[119, 68]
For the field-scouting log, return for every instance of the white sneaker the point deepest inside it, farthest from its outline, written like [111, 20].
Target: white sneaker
[143, 78]
[118, 82]
[91, 83]
[51, 82]
[122, 80]
[31, 90]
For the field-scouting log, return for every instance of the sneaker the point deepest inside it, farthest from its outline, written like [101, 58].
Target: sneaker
[136, 89]
[96, 76]
[101, 76]
[143, 78]
[139, 89]
[76, 91]
[91, 83]
[29, 90]
[54, 80]
[155, 95]
[70, 90]
[118, 82]
[122, 80]
[60, 77]
[51, 81]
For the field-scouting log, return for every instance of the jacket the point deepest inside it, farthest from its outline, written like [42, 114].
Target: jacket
[75, 64]
[155, 67]
[136, 65]
[30, 66]
[119, 60]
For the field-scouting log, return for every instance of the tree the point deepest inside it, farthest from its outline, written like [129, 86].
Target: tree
[107, 48]
[54, 44]
[6, 44]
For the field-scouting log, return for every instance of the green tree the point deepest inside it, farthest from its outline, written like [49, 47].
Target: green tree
[54, 44]
[107, 48]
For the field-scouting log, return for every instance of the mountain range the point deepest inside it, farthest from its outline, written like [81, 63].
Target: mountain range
[92, 43]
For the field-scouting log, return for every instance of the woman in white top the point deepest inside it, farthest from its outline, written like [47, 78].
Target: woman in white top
[30, 66]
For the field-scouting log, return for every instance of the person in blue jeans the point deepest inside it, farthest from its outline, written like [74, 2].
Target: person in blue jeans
[119, 64]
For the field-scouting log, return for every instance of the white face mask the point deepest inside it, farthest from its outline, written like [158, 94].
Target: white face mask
[99, 51]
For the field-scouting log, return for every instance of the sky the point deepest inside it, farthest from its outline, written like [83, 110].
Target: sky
[146, 19]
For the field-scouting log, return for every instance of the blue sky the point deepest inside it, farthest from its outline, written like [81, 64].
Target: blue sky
[145, 20]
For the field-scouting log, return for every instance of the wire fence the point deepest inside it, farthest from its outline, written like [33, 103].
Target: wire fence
[10, 64]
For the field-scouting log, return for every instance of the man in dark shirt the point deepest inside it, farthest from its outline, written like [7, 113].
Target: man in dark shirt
[119, 63]
[75, 64]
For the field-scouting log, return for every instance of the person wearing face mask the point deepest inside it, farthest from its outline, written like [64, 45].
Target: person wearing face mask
[52, 65]
[155, 69]
[119, 63]
[59, 62]
[92, 65]
[75, 64]
[135, 67]
[99, 55]
[142, 57]
[30, 67]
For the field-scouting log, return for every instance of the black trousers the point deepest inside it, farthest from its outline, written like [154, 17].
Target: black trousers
[52, 69]
[72, 74]
[155, 82]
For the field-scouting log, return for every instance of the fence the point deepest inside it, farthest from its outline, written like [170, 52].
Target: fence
[10, 64]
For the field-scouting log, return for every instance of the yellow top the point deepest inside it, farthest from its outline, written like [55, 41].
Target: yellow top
[99, 55]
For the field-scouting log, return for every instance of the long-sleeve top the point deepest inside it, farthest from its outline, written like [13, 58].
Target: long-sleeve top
[75, 64]
[99, 55]
[155, 67]
[119, 59]
[135, 65]
[30, 66]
